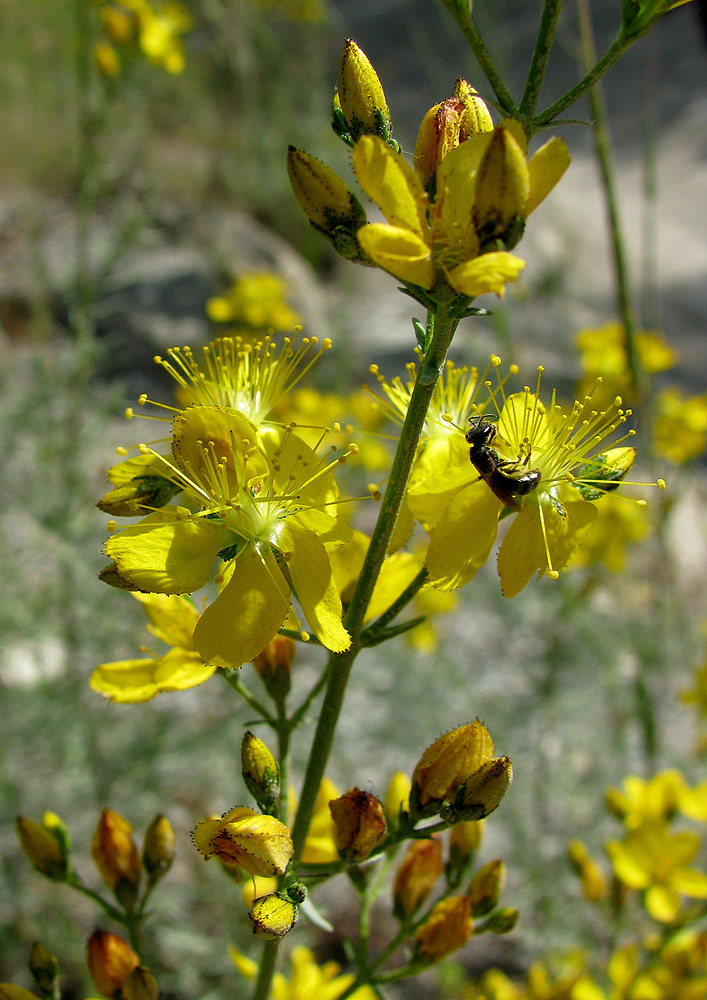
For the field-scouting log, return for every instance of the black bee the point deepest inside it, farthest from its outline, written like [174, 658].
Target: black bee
[503, 478]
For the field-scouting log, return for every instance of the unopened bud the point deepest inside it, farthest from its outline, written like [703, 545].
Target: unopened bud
[593, 881]
[482, 792]
[360, 823]
[361, 97]
[140, 985]
[137, 496]
[255, 844]
[446, 765]
[158, 848]
[44, 968]
[106, 60]
[397, 798]
[448, 927]
[274, 665]
[485, 887]
[260, 772]
[116, 855]
[110, 961]
[327, 202]
[45, 845]
[464, 842]
[502, 189]
[271, 917]
[448, 124]
[417, 876]
[502, 921]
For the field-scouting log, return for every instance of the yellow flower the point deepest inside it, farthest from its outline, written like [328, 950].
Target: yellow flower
[603, 355]
[255, 844]
[159, 33]
[256, 300]
[320, 842]
[656, 862]
[680, 426]
[253, 508]
[590, 874]
[308, 980]
[564, 460]
[617, 526]
[658, 799]
[172, 619]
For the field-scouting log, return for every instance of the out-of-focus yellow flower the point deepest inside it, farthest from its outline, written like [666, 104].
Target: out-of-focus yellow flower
[602, 351]
[306, 11]
[257, 301]
[160, 33]
[656, 861]
[256, 844]
[46, 844]
[464, 842]
[680, 426]
[320, 842]
[397, 797]
[656, 800]
[307, 981]
[696, 697]
[107, 59]
[591, 876]
[447, 928]
[172, 620]
[429, 602]
[574, 462]
[10, 992]
[485, 888]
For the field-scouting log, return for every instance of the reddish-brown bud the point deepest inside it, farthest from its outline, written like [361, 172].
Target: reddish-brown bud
[110, 961]
[360, 823]
[417, 876]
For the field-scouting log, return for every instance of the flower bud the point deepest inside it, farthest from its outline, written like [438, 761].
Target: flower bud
[106, 60]
[362, 101]
[397, 798]
[10, 992]
[274, 665]
[327, 202]
[446, 125]
[485, 887]
[255, 844]
[44, 968]
[360, 823]
[45, 845]
[593, 881]
[260, 772]
[257, 886]
[140, 985]
[464, 842]
[271, 917]
[116, 855]
[482, 792]
[158, 848]
[502, 921]
[448, 927]
[417, 876]
[137, 496]
[110, 961]
[446, 765]
[120, 25]
[501, 191]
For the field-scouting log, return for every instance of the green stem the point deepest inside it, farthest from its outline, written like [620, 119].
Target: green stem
[284, 731]
[340, 664]
[397, 606]
[478, 47]
[233, 682]
[538, 64]
[602, 146]
[266, 971]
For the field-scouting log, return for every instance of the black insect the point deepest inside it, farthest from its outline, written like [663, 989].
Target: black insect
[506, 480]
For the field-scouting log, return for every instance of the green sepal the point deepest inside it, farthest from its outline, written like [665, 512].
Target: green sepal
[421, 335]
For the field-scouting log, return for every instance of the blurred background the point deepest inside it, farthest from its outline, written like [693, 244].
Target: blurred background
[136, 189]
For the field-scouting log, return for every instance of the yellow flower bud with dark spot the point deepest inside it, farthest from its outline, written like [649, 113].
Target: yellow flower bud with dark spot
[327, 202]
[502, 921]
[360, 823]
[361, 97]
[397, 798]
[158, 848]
[140, 985]
[271, 917]
[255, 844]
[485, 887]
[110, 961]
[45, 847]
[502, 189]
[447, 928]
[417, 876]
[446, 765]
[116, 855]
[44, 968]
[260, 772]
[483, 791]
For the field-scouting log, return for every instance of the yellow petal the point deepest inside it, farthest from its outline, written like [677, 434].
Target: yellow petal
[461, 540]
[488, 273]
[247, 613]
[167, 555]
[172, 618]
[391, 183]
[313, 580]
[346, 562]
[131, 681]
[401, 252]
[231, 441]
[662, 902]
[397, 572]
[545, 168]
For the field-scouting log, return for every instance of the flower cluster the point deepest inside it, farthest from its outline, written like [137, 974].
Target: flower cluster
[155, 30]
